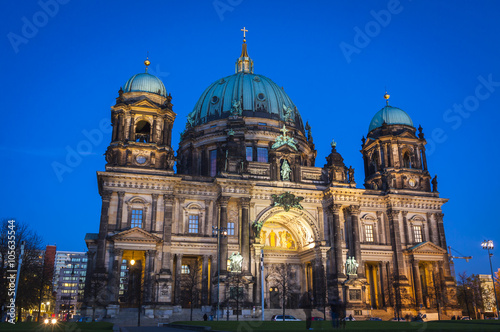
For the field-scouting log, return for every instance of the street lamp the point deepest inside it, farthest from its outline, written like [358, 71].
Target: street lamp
[218, 232]
[488, 245]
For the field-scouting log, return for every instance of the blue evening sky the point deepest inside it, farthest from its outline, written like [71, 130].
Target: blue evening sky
[62, 67]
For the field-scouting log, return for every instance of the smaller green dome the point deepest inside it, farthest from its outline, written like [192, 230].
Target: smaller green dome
[145, 82]
[390, 115]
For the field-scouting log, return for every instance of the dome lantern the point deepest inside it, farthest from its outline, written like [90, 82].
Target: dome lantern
[244, 63]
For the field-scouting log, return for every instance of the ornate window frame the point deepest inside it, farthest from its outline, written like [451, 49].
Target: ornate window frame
[369, 219]
[138, 203]
[419, 221]
[190, 209]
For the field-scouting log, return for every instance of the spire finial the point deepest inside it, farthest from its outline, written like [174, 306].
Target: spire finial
[244, 63]
[387, 96]
[147, 62]
[244, 36]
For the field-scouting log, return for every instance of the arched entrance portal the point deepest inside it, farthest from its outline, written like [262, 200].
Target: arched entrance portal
[294, 260]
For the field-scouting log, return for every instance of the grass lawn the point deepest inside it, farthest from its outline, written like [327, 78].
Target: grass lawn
[60, 326]
[450, 325]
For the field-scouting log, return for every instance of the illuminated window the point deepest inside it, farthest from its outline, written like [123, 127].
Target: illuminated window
[193, 224]
[185, 269]
[369, 233]
[262, 155]
[417, 231]
[249, 153]
[213, 162]
[136, 220]
[230, 228]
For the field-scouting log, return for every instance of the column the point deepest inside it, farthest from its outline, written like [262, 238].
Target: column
[148, 273]
[388, 283]
[165, 131]
[258, 280]
[416, 283]
[118, 254]
[213, 273]
[126, 125]
[336, 242]
[245, 233]
[152, 226]
[382, 238]
[208, 228]
[431, 229]
[119, 211]
[422, 148]
[354, 210]
[103, 228]
[396, 241]
[386, 158]
[382, 275]
[168, 202]
[440, 230]
[204, 281]
[132, 128]
[178, 278]
[223, 201]
[180, 220]
[408, 240]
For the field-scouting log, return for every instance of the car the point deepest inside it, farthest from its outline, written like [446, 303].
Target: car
[466, 318]
[317, 318]
[288, 318]
[349, 319]
[375, 318]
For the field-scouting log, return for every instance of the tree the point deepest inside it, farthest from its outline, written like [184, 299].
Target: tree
[96, 293]
[191, 287]
[472, 294]
[235, 285]
[32, 284]
[282, 277]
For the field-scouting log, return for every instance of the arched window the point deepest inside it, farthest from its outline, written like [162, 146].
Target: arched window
[142, 131]
[406, 160]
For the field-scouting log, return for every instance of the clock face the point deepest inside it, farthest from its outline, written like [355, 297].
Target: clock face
[412, 182]
[140, 159]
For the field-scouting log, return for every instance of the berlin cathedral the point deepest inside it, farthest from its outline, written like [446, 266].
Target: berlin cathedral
[246, 184]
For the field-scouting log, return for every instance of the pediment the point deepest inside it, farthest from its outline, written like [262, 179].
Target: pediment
[426, 248]
[135, 235]
[407, 134]
[145, 103]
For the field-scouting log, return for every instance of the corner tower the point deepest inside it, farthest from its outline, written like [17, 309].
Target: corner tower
[142, 121]
[394, 157]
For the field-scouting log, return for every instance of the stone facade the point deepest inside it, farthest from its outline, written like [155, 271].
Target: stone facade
[249, 172]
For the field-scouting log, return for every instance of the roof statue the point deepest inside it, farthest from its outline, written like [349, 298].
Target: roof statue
[287, 113]
[236, 107]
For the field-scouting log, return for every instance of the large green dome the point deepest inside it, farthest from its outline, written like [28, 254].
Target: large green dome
[145, 82]
[258, 95]
[390, 115]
